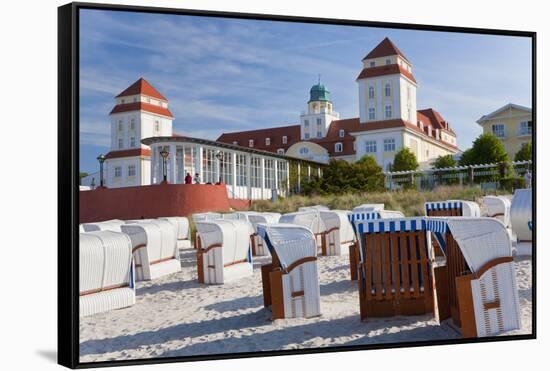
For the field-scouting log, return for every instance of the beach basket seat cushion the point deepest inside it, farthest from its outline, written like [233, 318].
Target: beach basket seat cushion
[223, 251]
[154, 248]
[394, 268]
[291, 282]
[359, 216]
[106, 280]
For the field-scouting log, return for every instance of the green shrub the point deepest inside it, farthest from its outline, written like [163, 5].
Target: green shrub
[511, 183]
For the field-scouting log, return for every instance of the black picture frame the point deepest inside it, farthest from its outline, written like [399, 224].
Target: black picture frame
[68, 180]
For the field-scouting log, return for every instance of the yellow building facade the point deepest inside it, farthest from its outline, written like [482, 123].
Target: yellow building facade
[512, 124]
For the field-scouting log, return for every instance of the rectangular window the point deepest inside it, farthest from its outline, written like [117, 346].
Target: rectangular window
[118, 172]
[372, 113]
[372, 64]
[371, 92]
[269, 174]
[251, 143]
[241, 170]
[498, 130]
[388, 61]
[226, 166]
[306, 123]
[319, 134]
[342, 133]
[388, 111]
[157, 126]
[370, 146]
[306, 135]
[338, 147]
[525, 128]
[120, 125]
[280, 151]
[319, 122]
[209, 166]
[285, 139]
[132, 124]
[281, 174]
[255, 172]
[132, 141]
[267, 141]
[120, 143]
[389, 145]
[131, 170]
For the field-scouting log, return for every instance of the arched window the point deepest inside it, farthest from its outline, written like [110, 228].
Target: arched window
[281, 151]
[371, 92]
[342, 132]
[338, 147]
[388, 90]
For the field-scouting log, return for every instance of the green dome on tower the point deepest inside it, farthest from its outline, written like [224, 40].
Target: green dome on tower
[319, 92]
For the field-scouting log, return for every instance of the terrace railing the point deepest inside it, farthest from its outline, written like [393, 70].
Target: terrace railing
[428, 179]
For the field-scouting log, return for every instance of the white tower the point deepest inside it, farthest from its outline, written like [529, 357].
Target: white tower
[315, 123]
[387, 88]
[140, 112]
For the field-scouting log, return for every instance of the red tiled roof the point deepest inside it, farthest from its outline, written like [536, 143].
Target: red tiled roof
[387, 69]
[435, 118]
[142, 87]
[384, 49]
[275, 135]
[129, 153]
[142, 106]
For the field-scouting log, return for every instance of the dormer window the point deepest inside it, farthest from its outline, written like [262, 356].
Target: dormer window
[338, 147]
[421, 125]
[280, 151]
[372, 64]
[251, 143]
[285, 139]
[342, 133]
[267, 141]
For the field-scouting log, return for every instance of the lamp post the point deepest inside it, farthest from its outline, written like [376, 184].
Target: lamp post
[101, 159]
[219, 156]
[164, 153]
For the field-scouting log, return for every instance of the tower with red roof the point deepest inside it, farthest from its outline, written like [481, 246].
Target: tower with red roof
[140, 112]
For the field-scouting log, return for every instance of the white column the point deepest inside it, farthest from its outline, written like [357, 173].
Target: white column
[276, 177]
[217, 174]
[319, 172]
[308, 172]
[172, 170]
[153, 164]
[234, 172]
[198, 162]
[262, 175]
[248, 177]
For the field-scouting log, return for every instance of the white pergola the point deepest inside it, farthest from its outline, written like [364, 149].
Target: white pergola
[247, 173]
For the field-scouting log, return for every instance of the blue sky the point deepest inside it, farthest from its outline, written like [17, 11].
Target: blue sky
[223, 75]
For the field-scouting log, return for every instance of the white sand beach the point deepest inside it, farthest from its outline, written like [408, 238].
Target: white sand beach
[176, 316]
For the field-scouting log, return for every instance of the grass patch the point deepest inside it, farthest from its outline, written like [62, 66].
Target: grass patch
[409, 202]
